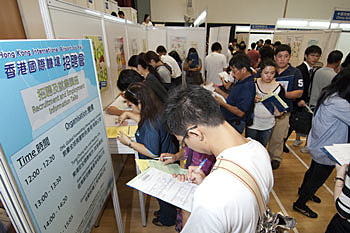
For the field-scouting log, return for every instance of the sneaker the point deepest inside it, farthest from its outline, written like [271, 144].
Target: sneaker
[305, 149]
[275, 164]
[156, 213]
[285, 149]
[297, 143]
[305, 211]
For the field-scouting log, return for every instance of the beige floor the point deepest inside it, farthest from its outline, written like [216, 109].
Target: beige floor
[287, 180]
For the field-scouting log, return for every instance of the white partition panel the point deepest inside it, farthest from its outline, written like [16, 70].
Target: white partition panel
[137, 38]
[156, 36]
[118, 51]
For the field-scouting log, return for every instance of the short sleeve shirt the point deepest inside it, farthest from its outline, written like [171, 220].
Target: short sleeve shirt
[155, 138]
[295, 81]
[214, 64]
[241, 96]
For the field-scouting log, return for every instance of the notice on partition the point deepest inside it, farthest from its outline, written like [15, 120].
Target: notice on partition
[53, 133]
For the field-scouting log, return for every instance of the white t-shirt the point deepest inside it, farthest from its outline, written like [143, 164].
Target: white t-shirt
[214, 64]
[222, 203]
[175, 69]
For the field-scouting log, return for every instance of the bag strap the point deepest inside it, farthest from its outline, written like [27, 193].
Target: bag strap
[245, 177]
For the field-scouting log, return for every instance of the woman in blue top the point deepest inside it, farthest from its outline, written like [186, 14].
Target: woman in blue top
[329, 126]
[152, 139]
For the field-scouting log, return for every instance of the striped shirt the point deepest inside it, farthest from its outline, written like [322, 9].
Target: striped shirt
[343, 201]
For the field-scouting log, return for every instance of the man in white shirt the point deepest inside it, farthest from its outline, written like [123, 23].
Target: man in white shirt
[176, 73]
[222, 203]
[215, 63]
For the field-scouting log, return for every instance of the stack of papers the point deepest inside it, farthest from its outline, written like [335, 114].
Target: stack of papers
[129, 130]
[210, 87]
[173, 168]
[340, 153]
[227, 77]
[272, 101]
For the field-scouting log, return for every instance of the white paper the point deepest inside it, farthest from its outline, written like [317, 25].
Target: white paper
[227, 77]
[340, 152]
[163, 186]
[211, 88]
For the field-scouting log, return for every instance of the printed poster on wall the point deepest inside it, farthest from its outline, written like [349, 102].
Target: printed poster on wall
[134, 48]
[119, 50]
[178, 44]
[99, 54]
[52, 132]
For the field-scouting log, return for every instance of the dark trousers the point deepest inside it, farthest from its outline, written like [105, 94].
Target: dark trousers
[314, 178]
[338, 225]
[167, 213]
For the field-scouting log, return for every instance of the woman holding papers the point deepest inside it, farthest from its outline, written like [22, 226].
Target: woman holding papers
[264, 117]
[152, 139]
[329, 126]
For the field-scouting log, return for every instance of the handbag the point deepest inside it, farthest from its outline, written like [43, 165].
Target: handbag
[269, 222]
[301, 120]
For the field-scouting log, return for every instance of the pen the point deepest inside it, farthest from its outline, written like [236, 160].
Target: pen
[198, 168]
[165, 157]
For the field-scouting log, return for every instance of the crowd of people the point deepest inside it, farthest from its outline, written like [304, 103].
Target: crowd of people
[179, 119]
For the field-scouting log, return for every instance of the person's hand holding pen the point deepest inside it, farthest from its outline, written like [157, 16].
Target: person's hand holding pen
[167, 158]
[195, 173]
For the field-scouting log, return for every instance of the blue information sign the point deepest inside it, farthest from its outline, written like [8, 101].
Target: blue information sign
[341, 15]
[52, 132]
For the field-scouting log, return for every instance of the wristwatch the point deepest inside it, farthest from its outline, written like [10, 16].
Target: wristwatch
[338, 178]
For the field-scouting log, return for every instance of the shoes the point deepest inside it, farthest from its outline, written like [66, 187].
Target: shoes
[305, 149]
[285, 149]
[305, 211]
[297, 143]
[156, 221]
[314, 198]
[156, 213]
[275, 164]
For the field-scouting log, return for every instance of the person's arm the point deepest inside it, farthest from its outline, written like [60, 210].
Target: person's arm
[298, 86]
[342, 184]
[134, 145]
[186, 65]
[129, 115]
[339, 183]
[233, 109]
[112, 110]
[221, 92]
[294, 94]
[174, 157]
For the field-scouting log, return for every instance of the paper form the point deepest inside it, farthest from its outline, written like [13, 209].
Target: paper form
[130, 131]
[162, 185]
[174, 168]
[339, 152]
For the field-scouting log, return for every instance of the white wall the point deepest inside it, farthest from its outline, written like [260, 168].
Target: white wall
[247, 11]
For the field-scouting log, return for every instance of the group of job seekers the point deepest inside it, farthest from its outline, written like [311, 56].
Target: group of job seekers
[177, 122]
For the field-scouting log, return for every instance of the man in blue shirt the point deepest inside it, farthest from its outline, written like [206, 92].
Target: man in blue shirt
[240, 102]
[292, 81]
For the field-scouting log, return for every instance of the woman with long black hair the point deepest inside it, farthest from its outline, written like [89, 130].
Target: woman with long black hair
[152, 139]
[330, 126]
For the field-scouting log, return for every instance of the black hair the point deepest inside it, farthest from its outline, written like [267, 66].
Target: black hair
[191, 50]
[277, 43]
[234, 40]
[334, 57]
[193, 105]
[161, 49]
[114, 14]
[340, 86]
[142, 62]
[268, 41]
[216, 47]
[127, 77]
[253, 45]
[121, 13]
[268, 62]
[283, 47]
[240, 60]
[346, 63]
[144, 18]
[151, 107]
[266, 52]
[242, 46]
[132, 61]
[176, 56]
[151, 55]
[313, 49]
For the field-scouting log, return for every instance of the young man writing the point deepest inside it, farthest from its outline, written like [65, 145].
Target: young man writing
[222, 203]
[294, 89]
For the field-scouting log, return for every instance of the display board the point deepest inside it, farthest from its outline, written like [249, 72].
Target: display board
[300, 40]
[221, 35]
[343, 43]
[54, 145]
[156, 36]
[137, 39]
[255, 37]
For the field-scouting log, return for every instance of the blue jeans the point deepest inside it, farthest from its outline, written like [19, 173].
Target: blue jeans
[261, 136]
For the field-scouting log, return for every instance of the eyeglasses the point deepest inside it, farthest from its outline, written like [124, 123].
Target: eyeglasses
[182, 144]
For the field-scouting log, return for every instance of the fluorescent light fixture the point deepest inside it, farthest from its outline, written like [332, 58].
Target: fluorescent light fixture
[319, 24]
[345, 26]
[114, 18]
[92, 12]
[291, 23]
[201, 18]
[242, 28]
